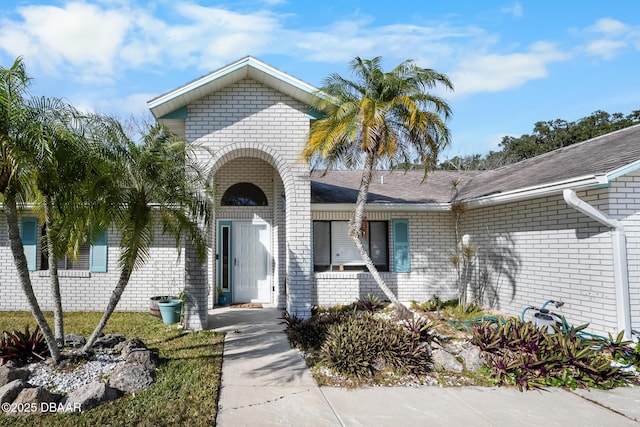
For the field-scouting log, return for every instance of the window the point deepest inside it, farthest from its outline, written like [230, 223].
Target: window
[333, 249]
[244, 194]
[90, 258]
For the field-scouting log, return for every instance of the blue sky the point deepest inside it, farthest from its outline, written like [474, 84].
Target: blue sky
[512, 63]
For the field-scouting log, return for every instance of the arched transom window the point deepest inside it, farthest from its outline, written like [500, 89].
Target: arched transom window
[244, 194]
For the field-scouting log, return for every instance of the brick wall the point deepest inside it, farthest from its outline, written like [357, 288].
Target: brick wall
[625, 206]
[163, 273]
[431, 271]
[531, 251]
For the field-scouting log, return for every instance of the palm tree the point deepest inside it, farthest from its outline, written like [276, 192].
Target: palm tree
[60, 164]
[158, 178]
[16, 147]
[379, 116]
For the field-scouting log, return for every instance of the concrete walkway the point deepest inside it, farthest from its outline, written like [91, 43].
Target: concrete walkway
[264, 382]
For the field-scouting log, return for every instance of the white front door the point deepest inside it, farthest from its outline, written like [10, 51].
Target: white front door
[251, 261]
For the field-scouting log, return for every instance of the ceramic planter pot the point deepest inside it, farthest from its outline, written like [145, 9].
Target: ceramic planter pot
[170, 311]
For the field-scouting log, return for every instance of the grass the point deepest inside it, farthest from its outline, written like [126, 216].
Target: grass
[187, 381]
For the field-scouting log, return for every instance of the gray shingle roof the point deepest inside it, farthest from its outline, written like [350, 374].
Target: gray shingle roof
[597, 156]
[386, 186]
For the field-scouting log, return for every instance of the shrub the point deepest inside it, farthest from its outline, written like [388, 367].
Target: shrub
[362, 345]
[423, 330]
[309, 335]
[449, 308]
[23, 347]
[521, 354]
[369, 303]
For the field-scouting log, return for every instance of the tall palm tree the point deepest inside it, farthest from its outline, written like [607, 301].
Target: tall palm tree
[16, 165]
[157, 179]
[379, 116]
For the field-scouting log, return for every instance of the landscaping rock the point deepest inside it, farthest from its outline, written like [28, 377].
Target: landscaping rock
[10, 391]
[127, 346]
[147, 358]
[91, 395]
[9, 373]
[472, 358]
[108, 341]
[131, 377]
[74, 340]
[445, 361]
[33, 399]
[8, 362]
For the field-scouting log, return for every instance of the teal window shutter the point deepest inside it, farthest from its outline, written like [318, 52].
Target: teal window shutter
[30, 241]
[98, 255]
[401, 256]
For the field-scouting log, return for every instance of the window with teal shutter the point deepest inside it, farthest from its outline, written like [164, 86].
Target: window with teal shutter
[401, 256]
[98, 255]
[29, 235]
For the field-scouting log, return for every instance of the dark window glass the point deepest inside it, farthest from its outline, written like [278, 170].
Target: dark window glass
[244, 194]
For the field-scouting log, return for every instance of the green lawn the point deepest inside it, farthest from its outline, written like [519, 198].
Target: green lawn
[187, 380]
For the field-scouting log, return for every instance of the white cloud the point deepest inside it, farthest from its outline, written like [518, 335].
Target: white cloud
[214, 36]
[514, 10]
[496, 72]
[80, 34]
[89, 42]
[610, 37]
[604, 48]
[609, 26]
[134, 104]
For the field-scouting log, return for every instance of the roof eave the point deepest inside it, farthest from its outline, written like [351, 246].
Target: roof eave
[247, 67]
[381, 207]
[623, 170]
[583, 183]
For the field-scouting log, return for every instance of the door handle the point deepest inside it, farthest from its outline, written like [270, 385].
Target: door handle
[235, 261]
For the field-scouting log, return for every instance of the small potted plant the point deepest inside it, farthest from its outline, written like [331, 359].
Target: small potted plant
[222, 298]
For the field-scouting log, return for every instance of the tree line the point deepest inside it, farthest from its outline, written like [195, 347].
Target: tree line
[546, 136]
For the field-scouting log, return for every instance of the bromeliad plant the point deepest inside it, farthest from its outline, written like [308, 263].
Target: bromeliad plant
[370, 303]
[423, 330]
[363, 345]
[309, 335]
[23, 347]
[521, 354]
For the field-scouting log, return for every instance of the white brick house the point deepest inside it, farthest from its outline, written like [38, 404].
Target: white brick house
[278, 236]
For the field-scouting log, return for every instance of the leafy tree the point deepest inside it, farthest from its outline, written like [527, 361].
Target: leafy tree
[157, 178]
[551, 135]
[547, 136]
[379, 116]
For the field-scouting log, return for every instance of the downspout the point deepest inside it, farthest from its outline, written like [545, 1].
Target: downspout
[620, 265]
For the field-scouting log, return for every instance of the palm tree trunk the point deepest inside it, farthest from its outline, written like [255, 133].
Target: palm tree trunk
[20, 261]
[125, 274]
[355, 232]
[53, 276]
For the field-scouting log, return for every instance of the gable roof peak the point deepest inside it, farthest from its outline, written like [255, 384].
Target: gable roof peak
[246, 67]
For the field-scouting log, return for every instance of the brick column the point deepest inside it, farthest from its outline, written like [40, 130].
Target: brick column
[299, 243]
